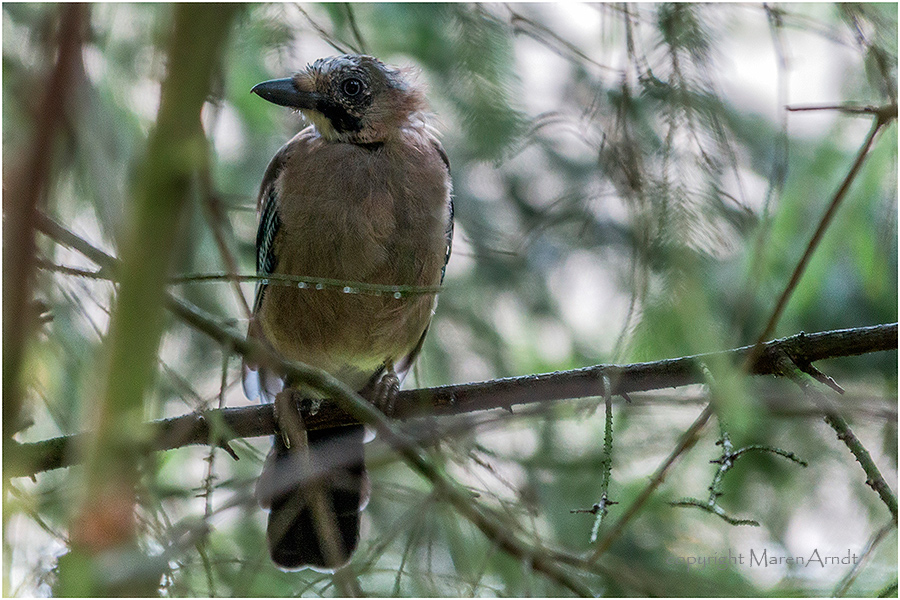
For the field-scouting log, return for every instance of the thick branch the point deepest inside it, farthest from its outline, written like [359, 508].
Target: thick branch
[253, 421]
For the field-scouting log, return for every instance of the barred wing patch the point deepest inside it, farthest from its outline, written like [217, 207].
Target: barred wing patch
[448, 235]
[266, 260]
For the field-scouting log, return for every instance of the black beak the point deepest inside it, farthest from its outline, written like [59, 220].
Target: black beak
[284, 92]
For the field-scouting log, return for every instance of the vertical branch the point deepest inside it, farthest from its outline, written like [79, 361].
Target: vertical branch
[687, 441]
[216, 218]
[176, 150]
[209, 481]
[606, 463]
[25, 187]
[778, 174]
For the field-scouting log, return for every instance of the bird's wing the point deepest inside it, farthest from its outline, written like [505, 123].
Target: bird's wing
[260, 382]
[266, 259]
[269, 221]
[449, 237]
[449, 233]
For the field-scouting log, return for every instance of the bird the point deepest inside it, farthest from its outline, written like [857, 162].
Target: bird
[361, 195]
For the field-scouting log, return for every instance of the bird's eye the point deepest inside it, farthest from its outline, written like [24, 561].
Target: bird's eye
[352, 87]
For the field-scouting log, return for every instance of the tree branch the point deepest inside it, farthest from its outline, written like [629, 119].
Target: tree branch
[218, 426]
[791, 369]
[27, 178]
[884, 116]
[253, 421]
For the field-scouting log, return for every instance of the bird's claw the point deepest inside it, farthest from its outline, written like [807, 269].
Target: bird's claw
[386, 390]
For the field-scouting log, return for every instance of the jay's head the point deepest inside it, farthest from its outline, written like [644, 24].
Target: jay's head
[349, 98]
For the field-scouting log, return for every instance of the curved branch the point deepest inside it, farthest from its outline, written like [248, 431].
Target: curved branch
[222, 425]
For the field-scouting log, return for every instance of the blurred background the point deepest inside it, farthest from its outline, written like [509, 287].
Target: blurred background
[628, 187]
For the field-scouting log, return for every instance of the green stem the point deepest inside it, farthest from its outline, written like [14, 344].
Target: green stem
[176, 149]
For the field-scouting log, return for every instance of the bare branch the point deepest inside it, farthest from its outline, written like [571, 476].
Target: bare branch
[882, 112]
[254, 421]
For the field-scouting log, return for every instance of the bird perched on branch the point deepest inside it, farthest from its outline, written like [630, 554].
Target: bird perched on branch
[362, 195]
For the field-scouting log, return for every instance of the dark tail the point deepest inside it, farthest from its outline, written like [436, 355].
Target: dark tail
[300, 533]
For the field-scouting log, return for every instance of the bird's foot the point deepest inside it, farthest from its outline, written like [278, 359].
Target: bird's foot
[386, 390]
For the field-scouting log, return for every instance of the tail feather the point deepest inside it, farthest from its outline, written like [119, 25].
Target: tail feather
[336, 470]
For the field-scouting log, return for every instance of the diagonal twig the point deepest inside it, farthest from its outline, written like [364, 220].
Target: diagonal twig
[808, 384]
[882, 119]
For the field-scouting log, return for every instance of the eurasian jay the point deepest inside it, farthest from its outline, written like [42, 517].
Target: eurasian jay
[363, 194]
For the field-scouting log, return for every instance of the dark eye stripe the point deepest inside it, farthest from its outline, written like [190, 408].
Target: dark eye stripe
[340, 119]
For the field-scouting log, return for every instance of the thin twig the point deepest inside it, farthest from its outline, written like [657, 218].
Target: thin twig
[848, 579]
[303, 282]
[808, 384]
[846, 108]
[351, 20]
[715, 509]
[726, 462]
[321, 31]
[779, 170]
[216, 219]
[537, 31]
[314, 283]
[687, 441]
[819, 233]
[600, 508]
